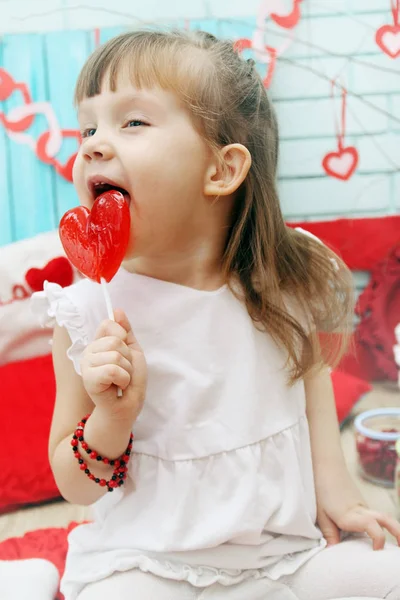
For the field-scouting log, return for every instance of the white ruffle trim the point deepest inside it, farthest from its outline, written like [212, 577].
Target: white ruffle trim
[196, 576]
[200, 577]
[52, 306]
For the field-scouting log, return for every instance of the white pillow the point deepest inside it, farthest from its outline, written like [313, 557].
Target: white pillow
[21, 336]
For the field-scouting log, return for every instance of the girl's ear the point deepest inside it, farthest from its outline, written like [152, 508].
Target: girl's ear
[227, 171]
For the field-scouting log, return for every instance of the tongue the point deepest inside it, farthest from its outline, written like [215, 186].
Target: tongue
[121, 191]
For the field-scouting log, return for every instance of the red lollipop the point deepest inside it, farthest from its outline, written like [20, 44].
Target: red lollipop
[96, 241]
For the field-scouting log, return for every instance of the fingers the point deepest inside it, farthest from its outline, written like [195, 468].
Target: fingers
[120, 328]
[107, 361]
[366, 522]
[332, 535]
[107, 375]
[392, 525]
[111, 329]
[112, 357]
[330, 530]
[123, 321]
[110, 344]
[375, 532]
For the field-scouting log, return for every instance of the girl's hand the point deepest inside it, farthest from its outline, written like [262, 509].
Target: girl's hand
[115, 360]
[359, 519]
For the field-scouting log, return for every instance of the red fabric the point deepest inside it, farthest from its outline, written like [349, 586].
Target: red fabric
[379, 311]
[360, 362]
[348, 390]
[50, 544]
[347, 237]
[27, 392]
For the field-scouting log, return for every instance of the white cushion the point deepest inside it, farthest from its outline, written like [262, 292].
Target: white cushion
[21, 335]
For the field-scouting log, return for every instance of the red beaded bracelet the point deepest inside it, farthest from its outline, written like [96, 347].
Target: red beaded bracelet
[120, 464]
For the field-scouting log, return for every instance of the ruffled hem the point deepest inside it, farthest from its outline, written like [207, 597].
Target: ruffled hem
[52, 306]
[196, 576]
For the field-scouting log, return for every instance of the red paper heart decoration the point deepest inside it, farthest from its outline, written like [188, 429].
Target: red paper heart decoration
[341, 164]
[7, 87]
[58, 270]
[96, 241]
[388, 39]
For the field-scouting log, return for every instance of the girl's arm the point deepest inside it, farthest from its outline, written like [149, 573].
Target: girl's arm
[327, 454]
[108, 436]
[339, 501]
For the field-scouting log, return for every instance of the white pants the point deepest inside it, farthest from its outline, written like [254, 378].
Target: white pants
[350, 569]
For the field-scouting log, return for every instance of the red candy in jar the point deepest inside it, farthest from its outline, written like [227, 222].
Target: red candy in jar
[377, 432]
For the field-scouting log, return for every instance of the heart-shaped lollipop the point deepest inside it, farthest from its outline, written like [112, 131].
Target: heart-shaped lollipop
[96, 241]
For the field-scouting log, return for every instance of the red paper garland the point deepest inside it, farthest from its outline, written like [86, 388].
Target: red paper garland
[15, 127]
[291, 20]
[245, 44]
[342, 163]
[388, 36]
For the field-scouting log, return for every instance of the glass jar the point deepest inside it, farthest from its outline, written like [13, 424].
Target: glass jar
[377, 432]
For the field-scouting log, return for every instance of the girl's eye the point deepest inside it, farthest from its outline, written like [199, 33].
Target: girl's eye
[88, 132]
[135, 123]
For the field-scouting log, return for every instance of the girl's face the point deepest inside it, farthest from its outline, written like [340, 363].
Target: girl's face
[144, 141]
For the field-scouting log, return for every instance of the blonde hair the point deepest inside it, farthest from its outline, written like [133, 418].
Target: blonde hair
[277, 267]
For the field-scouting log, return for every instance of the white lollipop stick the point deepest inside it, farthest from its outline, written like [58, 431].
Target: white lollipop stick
[110, 313]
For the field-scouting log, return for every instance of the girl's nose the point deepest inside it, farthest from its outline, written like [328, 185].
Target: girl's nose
[97, 149]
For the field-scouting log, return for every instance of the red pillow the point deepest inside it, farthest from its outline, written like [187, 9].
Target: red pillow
[27, 392]
[348, 390]
[50, 544]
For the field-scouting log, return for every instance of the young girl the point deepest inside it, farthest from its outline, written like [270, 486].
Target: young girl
[236, 482]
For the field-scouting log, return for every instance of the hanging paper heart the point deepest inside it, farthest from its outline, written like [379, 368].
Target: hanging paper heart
[96, 241]
[341, 164]
[58, 270]
[388, 39]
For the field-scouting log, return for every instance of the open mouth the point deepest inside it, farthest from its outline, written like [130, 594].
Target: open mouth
[101, 187]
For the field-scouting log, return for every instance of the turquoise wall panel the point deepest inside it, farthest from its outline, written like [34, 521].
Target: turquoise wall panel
[66, 53]
[6, 216]
[31, 182]
[109, 32]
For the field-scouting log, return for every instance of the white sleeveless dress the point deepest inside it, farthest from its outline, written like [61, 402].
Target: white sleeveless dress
[220, 484]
